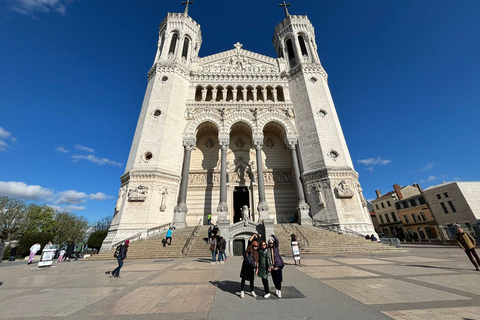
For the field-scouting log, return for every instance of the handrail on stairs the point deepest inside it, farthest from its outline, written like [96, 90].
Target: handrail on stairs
[189, 240]
[148, 233]
[304, 238]
[336, 227]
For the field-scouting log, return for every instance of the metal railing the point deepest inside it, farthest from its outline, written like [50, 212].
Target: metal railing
[189, 240]
[391, 242]
[137, 236]
[352, 232]
[336, 227]
[304, 238]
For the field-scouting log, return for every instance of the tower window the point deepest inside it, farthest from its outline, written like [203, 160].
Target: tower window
[290, 52]
[162, 42]
[302, 46]
[173, 44]
[186, 44]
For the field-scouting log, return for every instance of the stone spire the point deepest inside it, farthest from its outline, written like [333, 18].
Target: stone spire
[186, 3]
[285, 5]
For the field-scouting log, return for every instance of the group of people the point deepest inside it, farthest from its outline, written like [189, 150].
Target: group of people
[217, 246]
[61, 255]
[260, 260]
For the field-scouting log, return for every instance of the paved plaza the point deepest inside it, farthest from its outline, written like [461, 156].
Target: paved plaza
[428, 282]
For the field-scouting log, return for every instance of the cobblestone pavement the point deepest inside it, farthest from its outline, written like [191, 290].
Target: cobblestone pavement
[429, 282]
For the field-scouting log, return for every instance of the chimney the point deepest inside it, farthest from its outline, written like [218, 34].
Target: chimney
[418, 187]
[379, 194]
[398, 191]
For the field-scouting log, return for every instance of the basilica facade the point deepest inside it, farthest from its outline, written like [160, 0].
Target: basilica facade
[237, 130]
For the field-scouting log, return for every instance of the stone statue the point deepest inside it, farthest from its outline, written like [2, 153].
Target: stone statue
[245, 213]
[343, 190]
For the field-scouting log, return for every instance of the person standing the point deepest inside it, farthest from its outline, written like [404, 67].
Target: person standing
[467, 243]
[213, 248]
[13, 253]
[122, 255]
[168, 237]
[60, 255]
[209, 233]
[209, 219]
[33, 251]
[221, 246]
[264, 264]
[277, 264]
[69, 252]
[78, 250]
[249, 266]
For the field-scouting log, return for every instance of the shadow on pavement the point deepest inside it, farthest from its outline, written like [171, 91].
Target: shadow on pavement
[232, 287]
[433, 267]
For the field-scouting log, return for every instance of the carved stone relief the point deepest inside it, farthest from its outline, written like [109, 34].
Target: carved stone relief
[343, 190]
[138, 194]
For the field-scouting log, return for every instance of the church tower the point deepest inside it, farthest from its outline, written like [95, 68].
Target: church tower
[151, 181]
[330, 181]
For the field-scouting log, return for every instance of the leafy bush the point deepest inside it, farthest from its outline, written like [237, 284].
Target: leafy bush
[30, 239]
[96, 238]
[6, 254]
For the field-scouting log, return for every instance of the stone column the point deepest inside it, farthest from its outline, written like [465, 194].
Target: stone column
[214, 94]
[262, 204]
[204, 94]
[302, 205]
[245, 93]
[181, 210]
[224, 94]
[274, 91]
[222, 208]
[264, 94]
[234, 92]
[254, 92]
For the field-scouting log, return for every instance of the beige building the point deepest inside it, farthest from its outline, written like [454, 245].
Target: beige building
[455, 202]
[388, 221]
[417, 221]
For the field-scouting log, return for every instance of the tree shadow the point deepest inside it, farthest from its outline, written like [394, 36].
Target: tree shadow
[228, 286]
[204, 260]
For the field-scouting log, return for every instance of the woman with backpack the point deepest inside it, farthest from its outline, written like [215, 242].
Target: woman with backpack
[277, 264]
[249, 266]
[122, 255]
[264, 264]
[213, 247]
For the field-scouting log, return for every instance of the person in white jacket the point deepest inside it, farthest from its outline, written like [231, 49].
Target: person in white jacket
[33, 252]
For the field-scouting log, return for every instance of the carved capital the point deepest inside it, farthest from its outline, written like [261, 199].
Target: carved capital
[224, 144]
[189, 144]
[291, 143]
[258, 143]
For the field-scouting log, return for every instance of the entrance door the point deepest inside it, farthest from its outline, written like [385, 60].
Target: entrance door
[238, 247]
[241, 197]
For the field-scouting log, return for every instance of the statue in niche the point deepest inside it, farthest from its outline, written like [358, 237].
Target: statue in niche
[164, 198]
[118, 204]
[319, 195]
[343, 191]
[289, 112]
[245, 213]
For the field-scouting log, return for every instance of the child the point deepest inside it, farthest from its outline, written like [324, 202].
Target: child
[60, 257]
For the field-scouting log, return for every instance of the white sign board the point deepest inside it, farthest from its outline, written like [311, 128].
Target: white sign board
[47, 258]
[295, 250]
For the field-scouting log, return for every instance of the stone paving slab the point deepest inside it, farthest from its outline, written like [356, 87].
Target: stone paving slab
[336, 272]
[358, 261]
[463, 282]
[464, 313]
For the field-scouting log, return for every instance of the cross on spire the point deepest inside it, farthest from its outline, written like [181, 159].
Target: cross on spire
[285, 5]
[186, 3]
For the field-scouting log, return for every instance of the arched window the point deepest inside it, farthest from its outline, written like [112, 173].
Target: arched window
[162, 42]
[173, 43]
[209, 96]
[302, 46]
[198, 93]
[280, 95]
[290, 52]
[229, 94]
[240, 96]
[260, 96]
[269, 94]
[280, 52]
[249, 94]
[186, 44]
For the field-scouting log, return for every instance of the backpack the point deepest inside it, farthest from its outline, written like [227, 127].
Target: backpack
[251, 261]
[117, 251]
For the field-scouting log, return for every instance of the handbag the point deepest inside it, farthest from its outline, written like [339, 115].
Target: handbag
[212, 247]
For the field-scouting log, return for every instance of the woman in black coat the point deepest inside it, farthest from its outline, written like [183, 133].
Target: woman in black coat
[250, 261]
[277, 264]
[69, 252]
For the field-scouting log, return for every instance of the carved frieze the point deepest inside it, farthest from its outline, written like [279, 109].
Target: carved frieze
[343, 190]
[138, 193]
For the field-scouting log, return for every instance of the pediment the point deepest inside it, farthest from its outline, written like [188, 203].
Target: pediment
[238, 60]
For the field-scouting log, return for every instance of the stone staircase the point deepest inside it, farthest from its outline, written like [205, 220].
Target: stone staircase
[152, 248]
[320, 242]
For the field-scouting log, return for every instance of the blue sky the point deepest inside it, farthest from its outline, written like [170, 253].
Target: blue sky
[404, 75]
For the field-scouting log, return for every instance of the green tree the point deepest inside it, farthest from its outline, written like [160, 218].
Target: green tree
[40, 218]
[69, 227]
[102, 224]
[12, 218]
[96, 238]
[30, 239]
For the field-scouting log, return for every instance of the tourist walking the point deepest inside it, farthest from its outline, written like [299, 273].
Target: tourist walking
[78, 250]
[209, 235]
[33, 251]
[69, 252]
[209, 219]
[60, 255]
[264, 264]
[467, 243]
[221, 246]
[249, 266]
[277, 264]
[13, 253]
[213, 248]
[122, 255]
[168, 237]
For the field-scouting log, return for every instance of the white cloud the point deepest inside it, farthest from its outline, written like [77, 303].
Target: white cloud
[82, 148]
[457, 179]
[62, 150]
[96, 160]
[70, 197]
[29, 7]
[374, 161]
[429, 179]
[369, 169]
[4, 137]
[73, 208]
[99, 196]
[429, 166]
[24, 191]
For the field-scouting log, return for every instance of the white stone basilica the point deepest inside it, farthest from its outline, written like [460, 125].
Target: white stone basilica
[237, 129]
